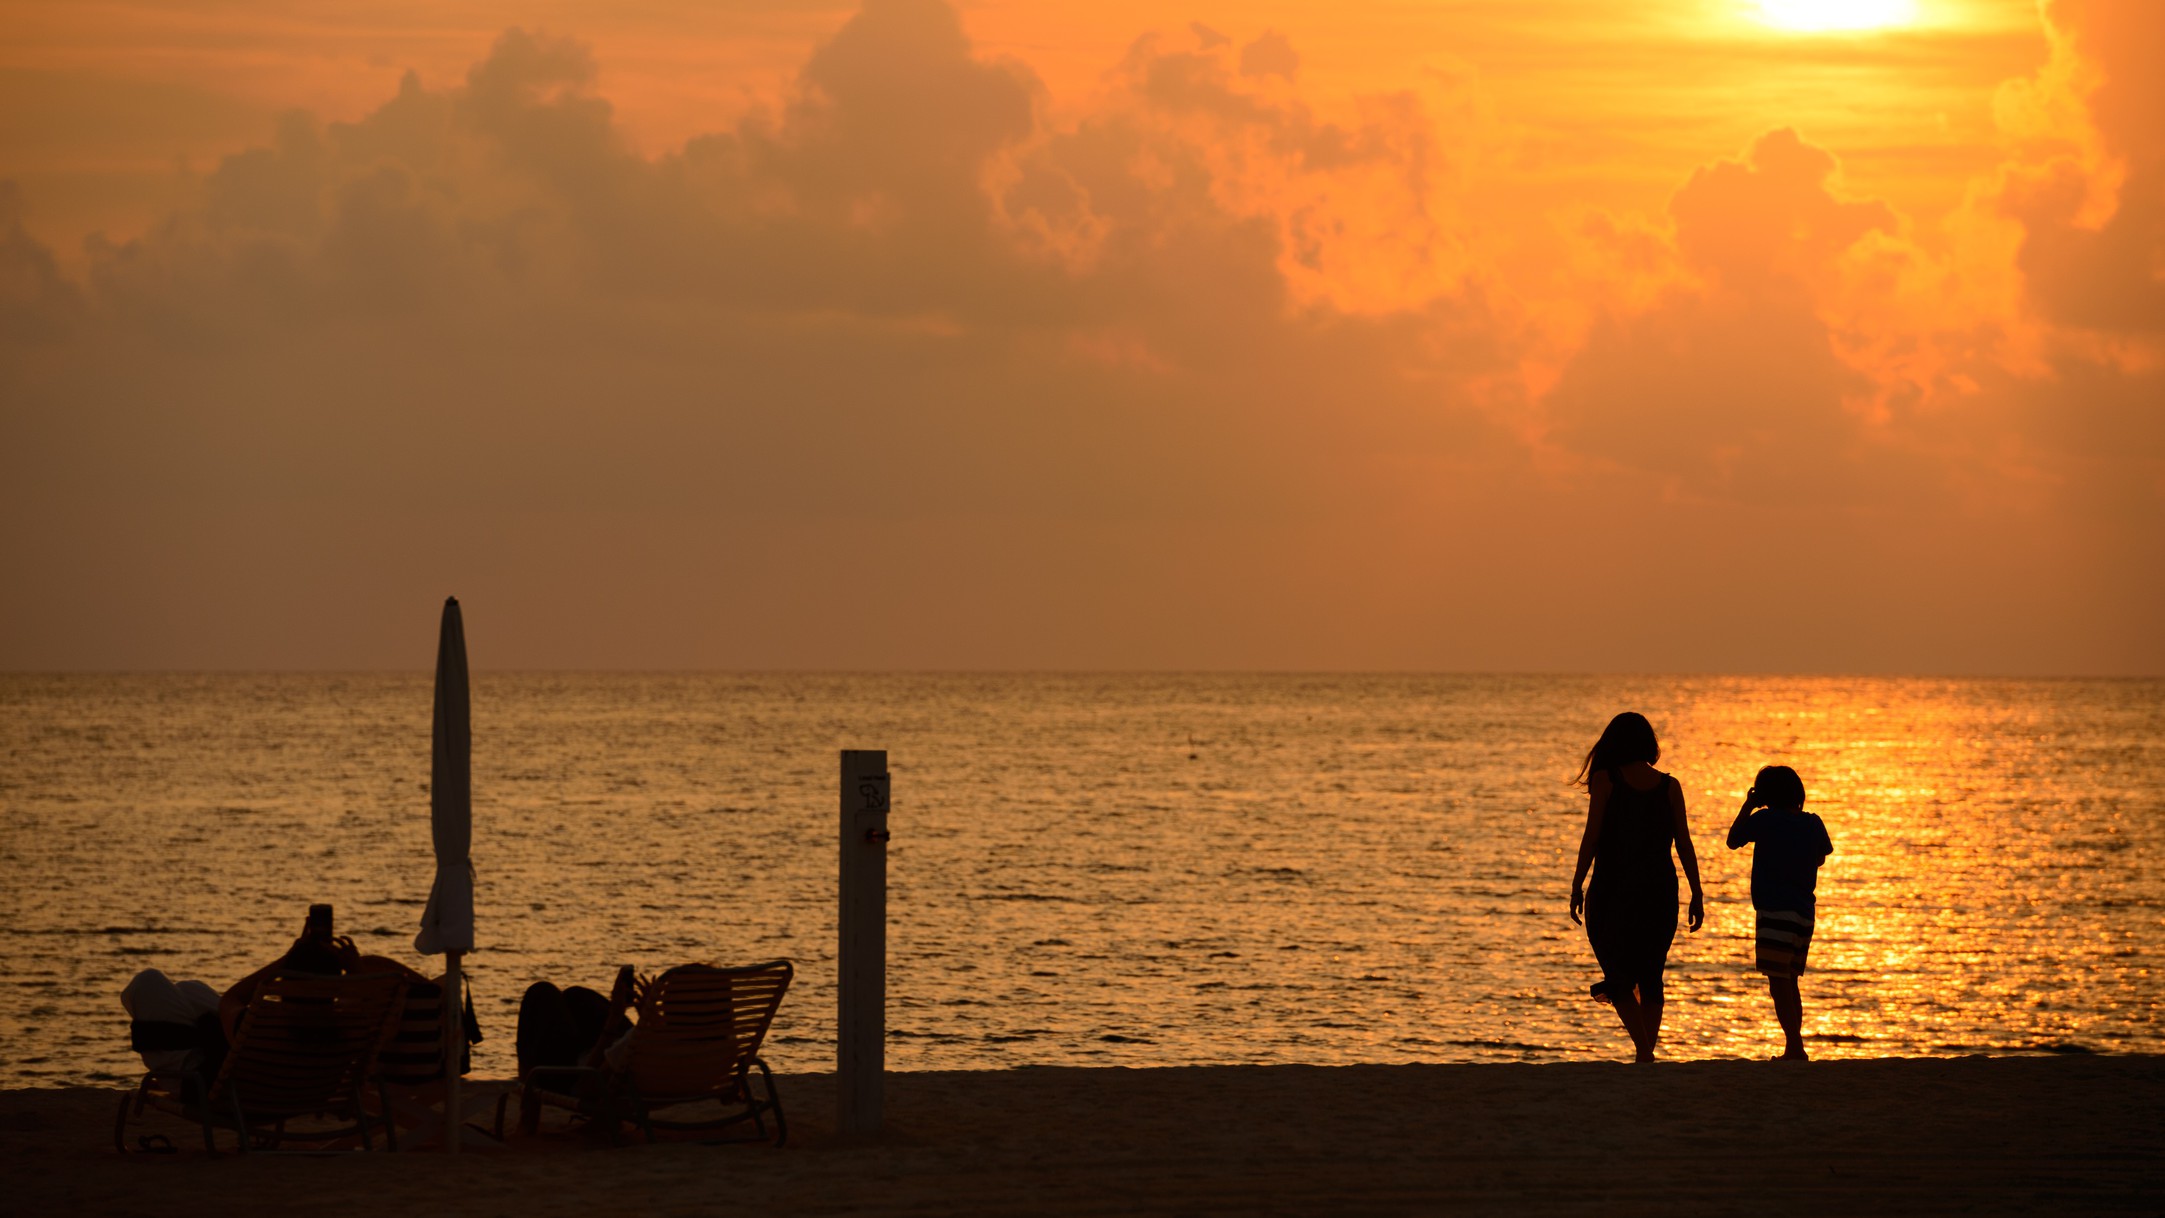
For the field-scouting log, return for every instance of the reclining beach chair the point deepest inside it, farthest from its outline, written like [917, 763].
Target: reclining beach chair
[697, 1042]
[305, 1048]
[413, 1054]
[410, 1068]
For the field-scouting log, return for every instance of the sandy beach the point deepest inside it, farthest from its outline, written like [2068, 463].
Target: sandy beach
[2044, 1135]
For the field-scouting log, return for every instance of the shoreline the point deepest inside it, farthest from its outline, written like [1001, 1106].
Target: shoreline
[1910, 1135]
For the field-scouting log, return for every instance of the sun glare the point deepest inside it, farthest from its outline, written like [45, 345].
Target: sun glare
[1818, 16]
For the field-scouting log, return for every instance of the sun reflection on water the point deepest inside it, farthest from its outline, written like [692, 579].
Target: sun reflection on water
[1975, 900]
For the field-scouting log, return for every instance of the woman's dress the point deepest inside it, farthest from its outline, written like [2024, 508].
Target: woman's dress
[1631, 901]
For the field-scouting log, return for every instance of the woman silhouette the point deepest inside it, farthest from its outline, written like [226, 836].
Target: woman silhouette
[1633, 813]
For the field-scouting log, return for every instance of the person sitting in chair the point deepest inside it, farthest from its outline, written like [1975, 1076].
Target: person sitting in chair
[575, 1028]
[185, 1026]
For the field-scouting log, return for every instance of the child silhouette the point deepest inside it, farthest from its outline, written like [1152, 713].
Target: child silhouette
[1792, 843]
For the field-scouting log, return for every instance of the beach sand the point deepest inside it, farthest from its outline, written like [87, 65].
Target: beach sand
[1911, 1136]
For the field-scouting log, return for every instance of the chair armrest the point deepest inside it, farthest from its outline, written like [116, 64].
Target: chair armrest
[575, 1082]
[571, 1089]
[534, 1075]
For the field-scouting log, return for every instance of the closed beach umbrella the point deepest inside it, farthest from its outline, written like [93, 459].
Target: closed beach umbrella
[447, 924]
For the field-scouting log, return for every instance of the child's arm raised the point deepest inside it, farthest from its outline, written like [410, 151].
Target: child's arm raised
[1737, 837]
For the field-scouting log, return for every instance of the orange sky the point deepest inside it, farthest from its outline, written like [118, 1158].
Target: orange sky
[106, 97]
[1540, 334]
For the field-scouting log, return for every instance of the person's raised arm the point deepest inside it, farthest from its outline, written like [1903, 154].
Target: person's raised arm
[1687, 854]
[1737, 836]
[1597, 799]
[627, 993]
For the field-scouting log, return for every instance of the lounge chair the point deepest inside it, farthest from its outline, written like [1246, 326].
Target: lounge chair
[410, 1067]
[413, 1055]
[697, 1041]
[305, 1048]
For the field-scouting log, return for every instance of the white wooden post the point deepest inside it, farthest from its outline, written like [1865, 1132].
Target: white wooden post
[861, 1014]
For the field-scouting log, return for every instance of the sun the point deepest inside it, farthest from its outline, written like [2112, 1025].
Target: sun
[1819, 16]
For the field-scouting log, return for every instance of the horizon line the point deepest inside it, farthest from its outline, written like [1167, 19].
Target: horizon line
[1761, 674]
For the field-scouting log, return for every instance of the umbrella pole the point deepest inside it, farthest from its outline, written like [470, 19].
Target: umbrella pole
[454, 1051]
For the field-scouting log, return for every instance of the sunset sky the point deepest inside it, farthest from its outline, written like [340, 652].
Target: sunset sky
[1376, 334]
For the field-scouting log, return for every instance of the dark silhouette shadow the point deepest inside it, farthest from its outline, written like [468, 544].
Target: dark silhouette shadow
[1634, 814]
[1790, 845]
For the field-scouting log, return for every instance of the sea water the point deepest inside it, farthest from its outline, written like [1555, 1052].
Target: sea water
[1090, 869]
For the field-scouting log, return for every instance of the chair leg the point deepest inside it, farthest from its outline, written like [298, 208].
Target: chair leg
[195, 1093]
[120, 1122]
[639, 1110]
[774, 1103]
[610, 1124]
[132, 1104]
[240, 1118]
[752, 1106]
[390, 1122]
[529, 1110]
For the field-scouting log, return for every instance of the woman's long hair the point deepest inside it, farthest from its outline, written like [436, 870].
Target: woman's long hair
[1629, 737]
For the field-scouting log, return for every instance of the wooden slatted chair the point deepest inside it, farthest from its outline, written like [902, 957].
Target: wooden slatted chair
[697, 1042]
[410, 1068]
[413, 1055]
[305, 1049]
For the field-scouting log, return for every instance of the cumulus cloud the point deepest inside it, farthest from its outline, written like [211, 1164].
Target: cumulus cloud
[1804, 344]
[905, 370]
[2093, 217]
[2084, 190]
[1271, 54]
[35, 300]
[1730, 384]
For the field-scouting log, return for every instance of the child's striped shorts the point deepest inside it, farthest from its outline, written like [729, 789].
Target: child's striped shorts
[1784, 937]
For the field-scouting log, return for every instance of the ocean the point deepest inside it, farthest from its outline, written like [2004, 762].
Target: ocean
[1121, 870]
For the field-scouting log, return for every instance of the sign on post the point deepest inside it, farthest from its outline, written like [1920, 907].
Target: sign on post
[861, 1014]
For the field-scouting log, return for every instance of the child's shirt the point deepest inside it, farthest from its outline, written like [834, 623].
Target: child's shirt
[1785, 866]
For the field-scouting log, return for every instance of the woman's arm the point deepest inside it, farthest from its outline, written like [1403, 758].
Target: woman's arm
[1689, 855]
[1597, 799]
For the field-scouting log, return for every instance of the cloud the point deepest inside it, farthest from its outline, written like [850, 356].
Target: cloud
[1730, 383]
[36, 303]
[912, 367]
[2083, 192]
[1270, 54]
[477, 303]
[2093, 215]
[1758, 224]
[1808, 346]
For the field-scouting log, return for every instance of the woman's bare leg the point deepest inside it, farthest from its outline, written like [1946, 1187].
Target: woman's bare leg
[1634, 1018]
[1651, 1000]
